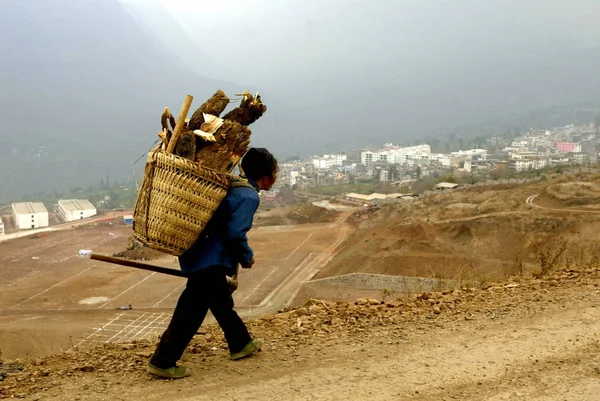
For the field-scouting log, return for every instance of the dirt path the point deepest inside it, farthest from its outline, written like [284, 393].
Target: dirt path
[286, 291]
[532, 339]
[553, 356]
[531, 202]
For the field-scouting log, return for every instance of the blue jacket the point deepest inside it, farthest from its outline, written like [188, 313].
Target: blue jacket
[224, 241]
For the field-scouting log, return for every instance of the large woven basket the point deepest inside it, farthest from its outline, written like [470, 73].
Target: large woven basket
[175, 202]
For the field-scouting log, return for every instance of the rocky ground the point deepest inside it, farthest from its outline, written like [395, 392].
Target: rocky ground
[535, 339]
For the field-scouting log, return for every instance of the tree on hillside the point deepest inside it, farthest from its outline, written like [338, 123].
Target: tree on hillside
[426, 184]
[393, 172]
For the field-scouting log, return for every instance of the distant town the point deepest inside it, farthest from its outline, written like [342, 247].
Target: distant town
[391, 173]
[403, 167]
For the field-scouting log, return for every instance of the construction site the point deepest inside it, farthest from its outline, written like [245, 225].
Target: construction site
[345, 297]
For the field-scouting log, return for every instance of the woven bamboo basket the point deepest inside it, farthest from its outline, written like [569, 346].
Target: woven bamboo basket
[176, 200]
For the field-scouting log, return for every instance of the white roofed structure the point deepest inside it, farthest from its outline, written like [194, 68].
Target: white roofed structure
[75, 209]
[29, 215]
[446, 185]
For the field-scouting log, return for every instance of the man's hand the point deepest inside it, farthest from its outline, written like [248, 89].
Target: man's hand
[249, 265]
[233, 284]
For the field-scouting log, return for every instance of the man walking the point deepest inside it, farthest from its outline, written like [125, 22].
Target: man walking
[222, 246]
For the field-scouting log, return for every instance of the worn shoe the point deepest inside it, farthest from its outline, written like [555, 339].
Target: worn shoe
[176, 372]
[251, 348]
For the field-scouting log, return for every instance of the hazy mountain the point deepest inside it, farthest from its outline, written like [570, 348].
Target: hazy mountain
[82, 88]
[369, 71]
[157, 23]
[83, 83]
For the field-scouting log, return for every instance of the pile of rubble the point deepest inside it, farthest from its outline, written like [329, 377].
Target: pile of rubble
[8, 368]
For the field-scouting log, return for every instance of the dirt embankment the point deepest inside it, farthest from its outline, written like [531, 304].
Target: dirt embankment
[291, 215]
[479, 233]
[525, 339]
[571, 194]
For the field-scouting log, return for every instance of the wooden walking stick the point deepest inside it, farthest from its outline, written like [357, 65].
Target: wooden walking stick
[232, 282]
[131, 263]
[187, 102]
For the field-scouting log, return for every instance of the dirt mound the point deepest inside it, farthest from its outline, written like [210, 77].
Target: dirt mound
[308, 337]
[303, 214]
[582, 194]
[460, 233]
[479, 233]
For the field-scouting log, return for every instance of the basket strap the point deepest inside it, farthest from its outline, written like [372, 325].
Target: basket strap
[241, 182]
[150, 179]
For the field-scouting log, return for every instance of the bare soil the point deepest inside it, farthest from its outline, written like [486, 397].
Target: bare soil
[297, 214]
[479, 233]
[572, 193]
[52, 300]
[534, 339]
[529, 329]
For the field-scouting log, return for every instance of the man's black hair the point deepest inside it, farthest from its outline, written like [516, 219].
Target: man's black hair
[258, 163]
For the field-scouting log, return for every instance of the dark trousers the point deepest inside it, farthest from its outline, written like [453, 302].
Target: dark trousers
[206, 289]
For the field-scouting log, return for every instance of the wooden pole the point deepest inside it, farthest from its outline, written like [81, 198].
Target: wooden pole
[180, 123]
[232, 283]
[138, 265]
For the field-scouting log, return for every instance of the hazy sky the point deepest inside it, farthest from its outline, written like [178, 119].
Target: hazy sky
[275, 39]
[333, 73]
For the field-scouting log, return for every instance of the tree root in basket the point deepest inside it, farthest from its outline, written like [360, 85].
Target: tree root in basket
[186, 145]
[250, 109]
[167, 117]
[231, 139]
[215, 106]
[231, 142]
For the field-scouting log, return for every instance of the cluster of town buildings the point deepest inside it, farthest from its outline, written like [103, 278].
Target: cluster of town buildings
[402, 165]
[539, 149]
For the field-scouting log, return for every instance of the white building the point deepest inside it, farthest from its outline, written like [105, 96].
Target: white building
[444, 186]
[373, 199]
[579, 158]
[1, 227]
[328, 161]
[518, 165]
[526, 154]
[441, 158]
[473, 165]
[294, 177]
[471, 154]
[396, 155]
[519, 144]
[29, 215]
[75, 209]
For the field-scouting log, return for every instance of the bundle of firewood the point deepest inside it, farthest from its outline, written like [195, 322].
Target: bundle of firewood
[215, 142]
